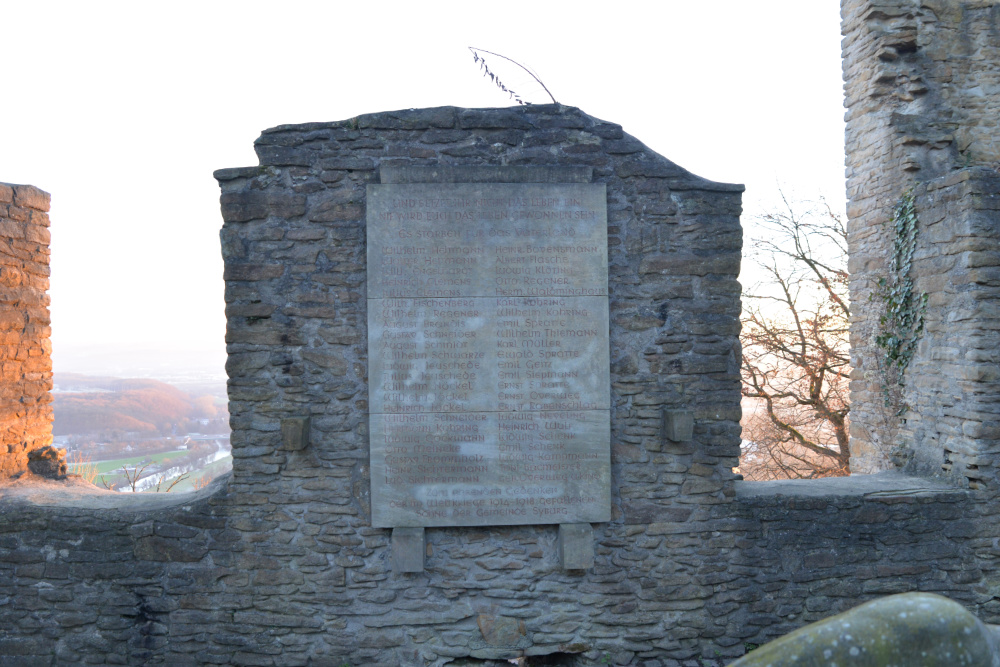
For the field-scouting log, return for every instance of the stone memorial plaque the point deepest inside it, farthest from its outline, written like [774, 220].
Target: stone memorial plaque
[489, 381]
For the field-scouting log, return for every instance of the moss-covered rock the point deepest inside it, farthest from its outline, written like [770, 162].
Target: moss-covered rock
[902, 630]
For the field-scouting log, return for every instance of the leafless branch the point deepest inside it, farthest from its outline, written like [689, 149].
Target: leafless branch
[796, 363]
[496, 80]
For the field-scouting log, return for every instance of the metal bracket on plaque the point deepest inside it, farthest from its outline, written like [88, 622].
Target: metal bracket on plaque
[678, 425]
[576, 546]
[409, 545]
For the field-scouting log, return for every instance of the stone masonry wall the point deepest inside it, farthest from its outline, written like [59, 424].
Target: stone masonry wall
[277, 564]
[953, 426]
[295, 293]
[295, 268]
[923, 98]
[225, 578]
[25, 351]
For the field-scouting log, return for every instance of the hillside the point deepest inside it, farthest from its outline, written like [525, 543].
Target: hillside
[86, 404]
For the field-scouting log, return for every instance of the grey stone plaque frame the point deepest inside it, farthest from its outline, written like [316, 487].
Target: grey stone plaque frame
[489, 379]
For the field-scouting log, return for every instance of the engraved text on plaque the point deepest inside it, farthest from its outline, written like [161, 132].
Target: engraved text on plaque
[488, 354]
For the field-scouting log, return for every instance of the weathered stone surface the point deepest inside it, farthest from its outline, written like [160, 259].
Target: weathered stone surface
[28, 196]
[409, 546]
[491, 232]
[490, 468]
[923, 93]
[678, 425]
[25, 365]
[908, 629]
[255, 205]
[253, 271]
[502, 631]
[481, 174]
[295, 432]
[576, 546]
[48, 461]
[488, 313]
[285, 566]
[280, 563]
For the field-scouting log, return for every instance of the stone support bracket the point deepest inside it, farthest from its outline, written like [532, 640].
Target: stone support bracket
[576, 546]
[678, 425]
[294, 433]
[409, 545]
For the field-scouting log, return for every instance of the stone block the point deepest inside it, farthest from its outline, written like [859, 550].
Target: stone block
[253, 272]
[295, 433]
[576, 546]
[480, 174]
[248, 205]
[48, 461]
[500, 632]
[28, 196]
[678, 425]
[408, 549]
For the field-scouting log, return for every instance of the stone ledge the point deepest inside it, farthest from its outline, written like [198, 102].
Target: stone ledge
[233, 173]
[535, 118]
[73, 492]
[482, 174]
[984, 178]
[881, 485]
[25, 196]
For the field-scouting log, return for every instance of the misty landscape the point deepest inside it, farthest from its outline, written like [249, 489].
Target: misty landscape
[143, 434]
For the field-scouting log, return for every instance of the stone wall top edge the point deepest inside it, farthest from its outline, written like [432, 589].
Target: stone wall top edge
[366, 119]
[233, 173]
[73, 494]
[652, 164]
[485, 174]
[27, 196]
[883, 485]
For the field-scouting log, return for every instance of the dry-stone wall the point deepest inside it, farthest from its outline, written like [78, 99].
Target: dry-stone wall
[923, 99]
[278, 564]
[25, 364]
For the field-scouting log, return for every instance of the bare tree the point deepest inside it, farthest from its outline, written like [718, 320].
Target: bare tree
[796, 361]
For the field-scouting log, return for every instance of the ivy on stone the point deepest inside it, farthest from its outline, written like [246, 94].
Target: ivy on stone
[902, 321]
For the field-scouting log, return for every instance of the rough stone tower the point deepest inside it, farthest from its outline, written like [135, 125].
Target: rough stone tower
[923, 96]
[25, 350]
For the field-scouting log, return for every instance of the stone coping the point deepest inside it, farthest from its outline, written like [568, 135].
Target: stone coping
[983, 175]
[481, 174]
[26, 196]
[73, 492]
[884, 484]
[646, 162]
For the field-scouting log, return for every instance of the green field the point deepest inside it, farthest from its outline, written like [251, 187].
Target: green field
[105, 467]
[213, 470]
[111, 470]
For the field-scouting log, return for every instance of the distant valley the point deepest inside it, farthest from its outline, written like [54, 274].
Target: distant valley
[142, 434]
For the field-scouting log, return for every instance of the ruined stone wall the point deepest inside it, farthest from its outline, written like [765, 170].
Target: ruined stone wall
[923, 98]
[25, 351]
[294, 246]
[225, 578]
[278, 564]
[953, 426]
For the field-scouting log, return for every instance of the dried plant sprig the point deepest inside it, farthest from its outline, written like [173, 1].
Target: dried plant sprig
[496, 80]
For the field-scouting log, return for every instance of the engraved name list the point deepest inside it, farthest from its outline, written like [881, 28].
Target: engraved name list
[488, 354]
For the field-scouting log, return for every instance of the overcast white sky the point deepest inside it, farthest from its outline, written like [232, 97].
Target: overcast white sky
[123, 110]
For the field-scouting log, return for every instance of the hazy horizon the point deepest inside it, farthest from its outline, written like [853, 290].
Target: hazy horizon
[127, 128]
[184, 365]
